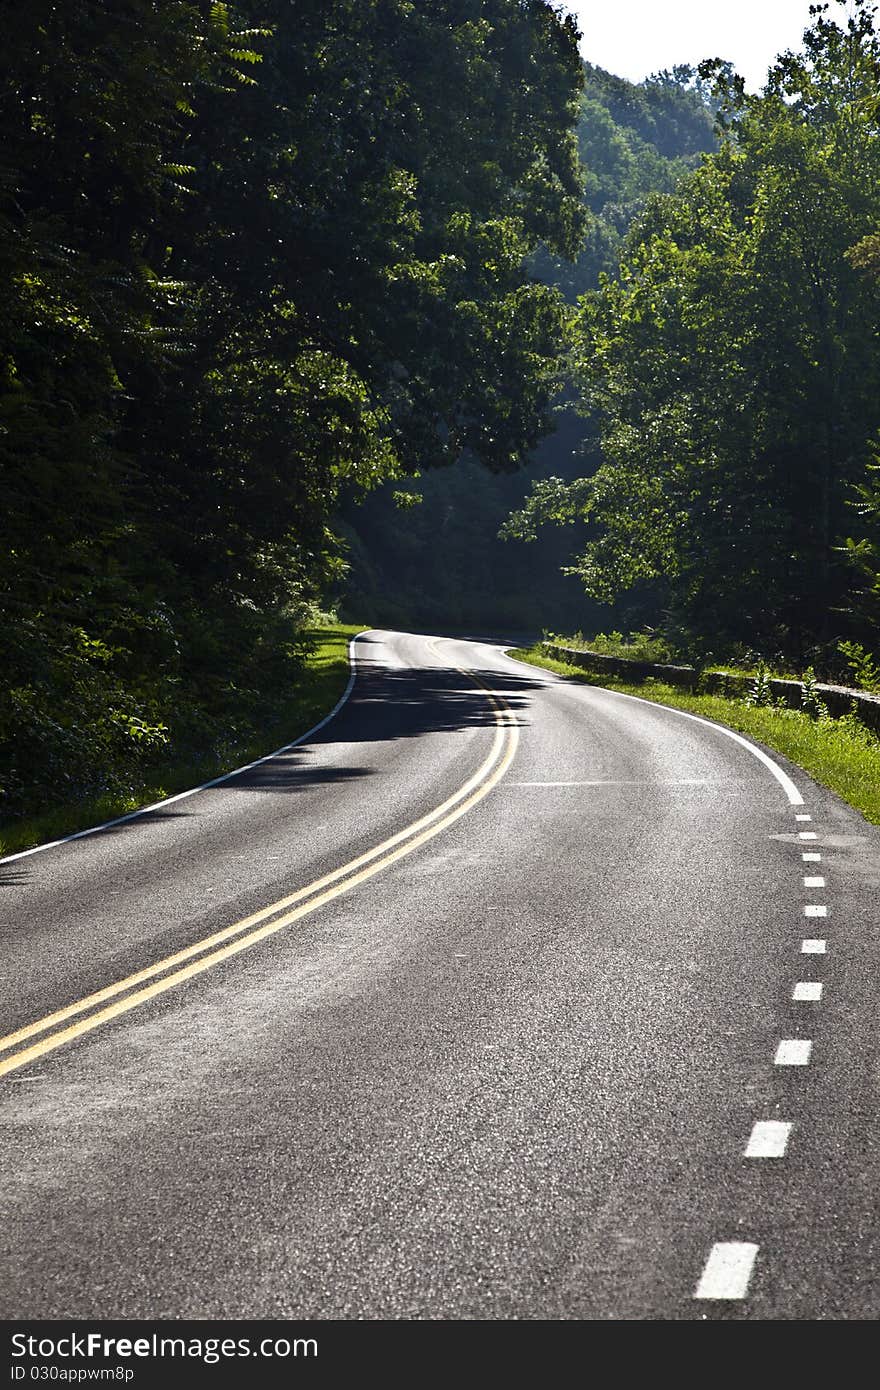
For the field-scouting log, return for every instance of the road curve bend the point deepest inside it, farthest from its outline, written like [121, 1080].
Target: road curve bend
[499, 997]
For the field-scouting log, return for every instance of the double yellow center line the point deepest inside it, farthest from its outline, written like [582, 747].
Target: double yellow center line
[56, 1029]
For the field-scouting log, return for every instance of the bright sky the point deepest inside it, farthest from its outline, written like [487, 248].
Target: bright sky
[633, 38]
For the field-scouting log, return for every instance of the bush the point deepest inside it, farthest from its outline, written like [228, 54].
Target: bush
[811, 703]
[760, 692]
[863, 665]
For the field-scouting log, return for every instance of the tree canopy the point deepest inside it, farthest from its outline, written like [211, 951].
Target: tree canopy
[734, 364]
[251, 253]
[443, 562]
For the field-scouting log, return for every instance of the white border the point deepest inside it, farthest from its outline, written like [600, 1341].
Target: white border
[215, 781]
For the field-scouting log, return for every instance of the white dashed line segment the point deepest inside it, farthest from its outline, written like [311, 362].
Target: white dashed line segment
[807, 991]
[728, 1270]
[793, 1052]
[769, 1139]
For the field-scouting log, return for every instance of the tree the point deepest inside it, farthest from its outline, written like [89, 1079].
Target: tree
[735, 364]
[252, 253]
[445, 563]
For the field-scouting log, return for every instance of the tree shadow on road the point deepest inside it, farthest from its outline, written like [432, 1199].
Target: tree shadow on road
[387, 704]
[390, 703]
[286, 774]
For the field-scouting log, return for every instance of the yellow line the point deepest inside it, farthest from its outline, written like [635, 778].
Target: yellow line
[356, 871]
[236, 928]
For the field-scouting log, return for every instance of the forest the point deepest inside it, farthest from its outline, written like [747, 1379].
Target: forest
[444, 563]
[253, 255]
[303, 304]
[731, 366]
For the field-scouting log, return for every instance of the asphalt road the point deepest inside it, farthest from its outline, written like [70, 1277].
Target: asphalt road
[468, 1007]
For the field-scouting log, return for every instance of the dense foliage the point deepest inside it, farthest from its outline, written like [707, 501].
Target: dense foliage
[735, 368]
[634, 140]
[250, 254]
[440, 563]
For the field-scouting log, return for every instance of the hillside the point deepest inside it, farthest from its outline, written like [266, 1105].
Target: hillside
[441, 563]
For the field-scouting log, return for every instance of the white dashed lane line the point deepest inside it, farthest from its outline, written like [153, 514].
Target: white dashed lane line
[807, 991]
[728, 1270]
[793, 1052]
[769, 1139]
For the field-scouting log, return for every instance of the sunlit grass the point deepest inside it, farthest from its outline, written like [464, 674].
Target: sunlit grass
[322, 682]
[840, 753]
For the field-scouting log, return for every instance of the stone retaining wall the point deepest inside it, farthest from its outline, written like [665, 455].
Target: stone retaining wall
[838, 698]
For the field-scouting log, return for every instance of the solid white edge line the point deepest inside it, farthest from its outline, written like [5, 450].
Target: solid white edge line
[215, 781]
[728, 1270]
[788, 786]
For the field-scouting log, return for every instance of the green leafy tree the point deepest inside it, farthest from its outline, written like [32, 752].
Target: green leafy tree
[251, 254]
[735, 364]
[446, 564]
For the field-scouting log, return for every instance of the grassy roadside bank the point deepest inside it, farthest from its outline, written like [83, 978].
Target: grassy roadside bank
[324, 678]
[840, 753]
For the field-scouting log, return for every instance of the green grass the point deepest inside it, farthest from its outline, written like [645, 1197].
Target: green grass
[638, 646]
[323, 680]
[840, 753]
[644, 647]
[774, 673]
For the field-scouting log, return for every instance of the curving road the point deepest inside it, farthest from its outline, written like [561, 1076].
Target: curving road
[499, 997]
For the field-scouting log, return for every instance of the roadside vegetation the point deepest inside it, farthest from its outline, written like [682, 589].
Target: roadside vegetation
[636, 646]
[841, 753]
[321, 679]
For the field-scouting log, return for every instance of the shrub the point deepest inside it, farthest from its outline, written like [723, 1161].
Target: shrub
[760, 693]
[811, 703]
[863, 665]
